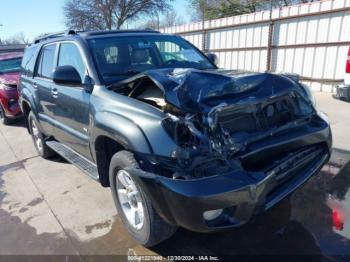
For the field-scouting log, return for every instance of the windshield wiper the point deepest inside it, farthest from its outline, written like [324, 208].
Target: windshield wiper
[126, 73]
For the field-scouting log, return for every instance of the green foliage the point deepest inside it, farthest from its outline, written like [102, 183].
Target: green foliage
[212, 9]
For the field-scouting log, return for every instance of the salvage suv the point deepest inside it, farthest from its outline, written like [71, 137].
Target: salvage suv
[179, 142]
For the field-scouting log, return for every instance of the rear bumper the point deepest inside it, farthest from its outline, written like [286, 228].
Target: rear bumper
[242, 194]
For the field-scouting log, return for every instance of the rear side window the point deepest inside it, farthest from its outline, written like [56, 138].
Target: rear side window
[47, 56]
[69, 55]
[28, 61]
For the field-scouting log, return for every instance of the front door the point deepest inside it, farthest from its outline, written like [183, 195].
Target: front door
[72, 103]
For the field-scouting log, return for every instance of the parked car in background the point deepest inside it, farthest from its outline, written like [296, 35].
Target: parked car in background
[180, 142]
[343, 90]
[10, 66]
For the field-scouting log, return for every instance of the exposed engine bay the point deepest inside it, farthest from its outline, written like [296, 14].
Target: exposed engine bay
[215, 118]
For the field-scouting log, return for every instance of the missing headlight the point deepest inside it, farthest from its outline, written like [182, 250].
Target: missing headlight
[176, 130]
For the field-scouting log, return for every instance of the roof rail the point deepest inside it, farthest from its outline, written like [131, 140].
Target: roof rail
[53, 35]
[119, 31]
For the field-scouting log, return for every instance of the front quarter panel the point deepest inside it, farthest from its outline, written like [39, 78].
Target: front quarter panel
[132, 123]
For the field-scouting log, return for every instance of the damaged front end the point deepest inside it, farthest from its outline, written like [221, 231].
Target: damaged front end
[244, 142]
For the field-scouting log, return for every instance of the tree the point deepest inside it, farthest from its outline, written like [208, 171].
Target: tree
[170, 18]
[108, 14]
[212, 9]
[15, 40]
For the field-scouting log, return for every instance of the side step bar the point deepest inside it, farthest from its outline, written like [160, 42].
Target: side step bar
[76, 159]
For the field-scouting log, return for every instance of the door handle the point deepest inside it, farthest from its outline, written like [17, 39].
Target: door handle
[54, 92]
[35, 85]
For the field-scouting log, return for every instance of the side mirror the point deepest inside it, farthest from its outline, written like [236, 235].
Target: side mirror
[66, 75]
[213, 58]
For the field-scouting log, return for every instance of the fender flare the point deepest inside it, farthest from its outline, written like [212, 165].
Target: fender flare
[27, 97]
[120, 129]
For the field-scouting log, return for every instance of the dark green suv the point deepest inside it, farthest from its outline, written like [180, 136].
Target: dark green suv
[178, 141]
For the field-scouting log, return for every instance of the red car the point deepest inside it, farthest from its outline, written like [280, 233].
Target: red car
[10, 66]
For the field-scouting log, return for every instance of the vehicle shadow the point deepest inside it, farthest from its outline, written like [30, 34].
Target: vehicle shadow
[18, 123]
[272, 233]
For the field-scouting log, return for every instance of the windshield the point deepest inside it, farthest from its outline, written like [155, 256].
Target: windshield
[10, 65]
[118, 57]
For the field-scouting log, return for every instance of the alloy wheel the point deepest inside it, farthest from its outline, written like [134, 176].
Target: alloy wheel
[36, 136]
[130, 199]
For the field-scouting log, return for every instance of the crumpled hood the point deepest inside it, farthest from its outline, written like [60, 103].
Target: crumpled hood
[9, 78]
[194, 90]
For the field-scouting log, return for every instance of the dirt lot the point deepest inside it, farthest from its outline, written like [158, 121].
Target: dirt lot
[50, 207]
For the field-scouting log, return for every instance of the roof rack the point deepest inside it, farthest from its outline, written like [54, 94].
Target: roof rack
[53, 35]
[102, 32]
[120, 31]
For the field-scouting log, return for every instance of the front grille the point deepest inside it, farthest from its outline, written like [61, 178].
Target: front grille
[11, 85]
[252, 118]
[281, 160]
[240, 122]
[286, 185]
[295, 161]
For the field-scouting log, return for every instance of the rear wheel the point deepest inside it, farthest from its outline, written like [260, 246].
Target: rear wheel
[133, 205]
[38, 138]
[3, 118]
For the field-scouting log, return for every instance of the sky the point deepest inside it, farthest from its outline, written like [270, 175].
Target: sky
[34, 17]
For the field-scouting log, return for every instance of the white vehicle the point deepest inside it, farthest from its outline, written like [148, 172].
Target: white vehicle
[343, 91]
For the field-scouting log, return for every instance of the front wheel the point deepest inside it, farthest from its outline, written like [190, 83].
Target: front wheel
[38, 138]
[133, 205]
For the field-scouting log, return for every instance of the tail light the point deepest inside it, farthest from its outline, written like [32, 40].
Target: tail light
[347, 70]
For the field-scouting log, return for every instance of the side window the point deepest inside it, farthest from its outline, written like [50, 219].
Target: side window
[69, 55]
[47, 56]
[28, 61]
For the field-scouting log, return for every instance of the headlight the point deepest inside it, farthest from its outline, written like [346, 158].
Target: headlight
[309, 94]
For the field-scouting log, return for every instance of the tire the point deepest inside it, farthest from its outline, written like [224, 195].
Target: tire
[38, 138]
[153, 228]
[3, 118]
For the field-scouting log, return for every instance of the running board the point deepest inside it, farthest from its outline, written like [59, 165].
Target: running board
[76, 159]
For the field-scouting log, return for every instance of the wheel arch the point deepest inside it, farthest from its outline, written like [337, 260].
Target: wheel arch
[105, 148]
[27, 104]
[26, 108]
[113, 133]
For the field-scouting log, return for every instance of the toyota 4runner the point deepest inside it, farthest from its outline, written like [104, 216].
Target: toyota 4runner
[179, 141]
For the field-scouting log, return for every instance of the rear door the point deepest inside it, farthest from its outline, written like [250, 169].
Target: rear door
[43, 85]
[72, 102]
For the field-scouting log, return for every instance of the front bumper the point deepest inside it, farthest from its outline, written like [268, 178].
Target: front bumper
[9, 102]
[242, 194]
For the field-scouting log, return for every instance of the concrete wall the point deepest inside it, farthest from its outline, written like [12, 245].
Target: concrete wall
[309, 39]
